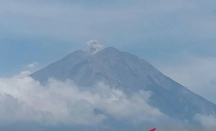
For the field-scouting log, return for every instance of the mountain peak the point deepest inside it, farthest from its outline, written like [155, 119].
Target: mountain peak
[130, 74]
[109, 53]
[111, 49]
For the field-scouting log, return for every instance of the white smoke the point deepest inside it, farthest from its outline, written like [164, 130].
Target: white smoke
[94, 46]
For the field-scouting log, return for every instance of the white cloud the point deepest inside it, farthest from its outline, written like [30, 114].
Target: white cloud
[206, 119]
[33, 66]
[24, 99]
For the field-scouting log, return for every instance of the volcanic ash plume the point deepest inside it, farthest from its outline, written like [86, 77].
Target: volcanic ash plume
[94, 46]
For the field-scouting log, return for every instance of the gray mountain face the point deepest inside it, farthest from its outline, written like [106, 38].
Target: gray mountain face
[129, 73]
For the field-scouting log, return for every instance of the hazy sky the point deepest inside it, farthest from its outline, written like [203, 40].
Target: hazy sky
[176, 36]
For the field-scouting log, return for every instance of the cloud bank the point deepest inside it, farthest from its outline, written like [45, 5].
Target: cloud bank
[205, 119]
[24, 99]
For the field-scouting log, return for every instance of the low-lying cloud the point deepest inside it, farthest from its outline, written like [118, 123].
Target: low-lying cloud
[24, 99]
[205, 119]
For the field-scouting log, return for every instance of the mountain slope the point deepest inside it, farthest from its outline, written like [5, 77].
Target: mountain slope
[131, 74]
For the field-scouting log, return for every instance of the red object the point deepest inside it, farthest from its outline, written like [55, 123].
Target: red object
[153, 129]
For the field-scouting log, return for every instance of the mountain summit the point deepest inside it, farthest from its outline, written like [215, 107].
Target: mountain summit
[129, 73]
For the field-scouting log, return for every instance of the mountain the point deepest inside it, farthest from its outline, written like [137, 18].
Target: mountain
[129, 73]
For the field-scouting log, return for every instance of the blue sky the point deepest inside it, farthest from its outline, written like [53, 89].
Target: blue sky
[178, 37]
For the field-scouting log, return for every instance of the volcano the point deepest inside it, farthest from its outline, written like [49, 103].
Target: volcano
[130, 74]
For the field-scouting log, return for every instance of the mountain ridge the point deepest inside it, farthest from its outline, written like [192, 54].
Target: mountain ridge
[129, 73]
